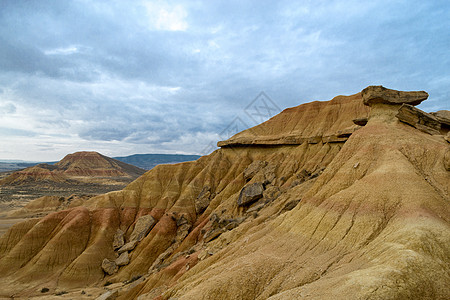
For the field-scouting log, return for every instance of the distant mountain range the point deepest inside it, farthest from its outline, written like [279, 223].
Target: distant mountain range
[149, 161]
[143, 161]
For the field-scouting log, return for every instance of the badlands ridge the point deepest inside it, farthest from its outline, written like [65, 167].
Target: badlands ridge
[342, 199]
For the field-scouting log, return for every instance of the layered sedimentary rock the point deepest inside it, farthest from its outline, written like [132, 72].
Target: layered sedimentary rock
[378, 94]
[419, 119]
[72, 168]
[310, 122]
[360, 215]
[39, 173]
[89, 163]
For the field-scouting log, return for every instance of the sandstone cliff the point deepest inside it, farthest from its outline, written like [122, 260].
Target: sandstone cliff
[307, 205]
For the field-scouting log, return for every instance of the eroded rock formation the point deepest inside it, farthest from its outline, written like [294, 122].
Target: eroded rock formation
[378, 94]
[346, 212]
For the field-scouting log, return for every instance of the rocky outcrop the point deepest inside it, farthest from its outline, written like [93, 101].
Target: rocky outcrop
[110, 267]
[220, 225]
[378, 94]
[250, 193]
[127, 247]
[203, 199]
[118, 239]
[443, 116]
[123, 259]
[419, 119]
[317, 121]
[143, 225]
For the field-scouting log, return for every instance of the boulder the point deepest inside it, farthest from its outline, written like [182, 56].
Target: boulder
[203, 199]
[118, 239]
[110, 267]
[379, 94]
[443, 116]
[419, 119]
[253, 168]
[143, 225]
[127, 247]
[250, 193]
[123, 259]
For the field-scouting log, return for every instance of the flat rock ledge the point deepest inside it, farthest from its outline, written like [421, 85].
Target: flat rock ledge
[379, 94]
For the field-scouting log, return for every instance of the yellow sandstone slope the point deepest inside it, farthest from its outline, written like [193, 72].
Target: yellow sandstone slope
[298, 207]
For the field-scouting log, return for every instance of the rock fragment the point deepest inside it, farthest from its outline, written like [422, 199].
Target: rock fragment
[123, 259]
[250, 193]
[203, 199]
[110, 267]
[143, 225]
[419, 119]
[443, 116]
[118, 239]
[127, 247]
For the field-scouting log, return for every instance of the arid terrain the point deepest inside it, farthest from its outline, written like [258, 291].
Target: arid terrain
[78, 176]
[340, 199]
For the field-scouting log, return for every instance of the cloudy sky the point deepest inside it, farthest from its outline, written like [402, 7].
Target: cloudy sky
[125, 77]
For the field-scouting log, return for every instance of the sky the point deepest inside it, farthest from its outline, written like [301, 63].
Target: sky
[126, 77]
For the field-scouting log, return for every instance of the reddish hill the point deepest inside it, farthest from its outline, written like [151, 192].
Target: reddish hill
[87, 163]
[73, 167]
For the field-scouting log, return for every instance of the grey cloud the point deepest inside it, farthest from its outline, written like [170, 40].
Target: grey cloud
[130, 83]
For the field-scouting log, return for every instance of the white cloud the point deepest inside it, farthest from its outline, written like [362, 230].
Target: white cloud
[62, 51]
[166, 17]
